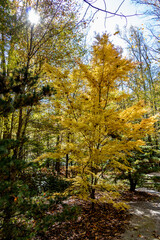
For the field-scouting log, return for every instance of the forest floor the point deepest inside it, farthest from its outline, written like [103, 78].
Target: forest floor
[142, 221]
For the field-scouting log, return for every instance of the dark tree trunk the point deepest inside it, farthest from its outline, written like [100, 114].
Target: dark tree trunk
[20, 122]
[132, 186]
[92, 195]
[67, 160]
[133, 183]
[23, 134]
[3, 59]
[57, 165]
[67, 155]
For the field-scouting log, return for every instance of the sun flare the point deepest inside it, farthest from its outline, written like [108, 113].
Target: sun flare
[33, 16]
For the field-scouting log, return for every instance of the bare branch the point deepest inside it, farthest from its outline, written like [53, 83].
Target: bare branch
[109, 12]
[120, 6]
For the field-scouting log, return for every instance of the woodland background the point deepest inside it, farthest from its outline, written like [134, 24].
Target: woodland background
[75, 121]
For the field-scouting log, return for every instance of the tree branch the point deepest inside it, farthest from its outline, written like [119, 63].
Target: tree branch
[109, 12]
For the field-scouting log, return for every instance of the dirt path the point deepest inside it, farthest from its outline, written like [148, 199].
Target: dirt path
[145, 219]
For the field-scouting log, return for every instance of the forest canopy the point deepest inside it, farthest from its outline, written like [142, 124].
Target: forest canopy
[74, 122]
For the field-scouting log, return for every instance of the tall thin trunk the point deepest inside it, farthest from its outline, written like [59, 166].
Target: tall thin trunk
[57, 165]
[92, 195]
[12, 123]
[67, 160]
[3, 60]
[20, 122]
[1, 127]
[67, 156]
[6, 128]
[22, 137]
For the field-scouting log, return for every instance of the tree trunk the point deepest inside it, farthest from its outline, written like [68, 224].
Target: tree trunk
[12, 124]
[92, 195]
[133, 183]
[67, 156]
[132, 186]
[22, 137]
[3, 60]
[20, 122]
[67, 160]
[57, 165]
[6, 128]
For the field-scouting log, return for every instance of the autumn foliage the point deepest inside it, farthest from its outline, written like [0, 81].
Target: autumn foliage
[103, 133]
[68, 127]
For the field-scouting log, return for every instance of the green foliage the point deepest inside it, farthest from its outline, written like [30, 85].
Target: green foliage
[22, 84]
[88, 126]
[55, 184]
[23, 211]
[24, 51]
[142, 161]
[39, 181]
[14, 196]
[20, 203]
[156, 181]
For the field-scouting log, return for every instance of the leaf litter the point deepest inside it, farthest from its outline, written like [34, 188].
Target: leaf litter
[104, 222]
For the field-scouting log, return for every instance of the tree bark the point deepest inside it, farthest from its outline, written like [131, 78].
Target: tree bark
[67, 156]
[57, 165]
[92, 195]
[67, 160]
[133, 183]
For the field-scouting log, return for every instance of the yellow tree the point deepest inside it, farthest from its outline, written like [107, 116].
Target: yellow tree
[104, 132]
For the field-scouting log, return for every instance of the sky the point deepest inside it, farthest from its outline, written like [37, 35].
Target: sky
[108, 23]
[100, 25]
